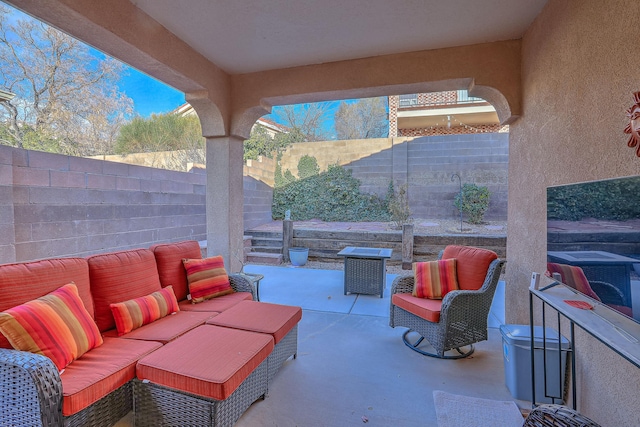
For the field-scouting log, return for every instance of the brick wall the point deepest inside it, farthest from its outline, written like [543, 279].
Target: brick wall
[71, 206]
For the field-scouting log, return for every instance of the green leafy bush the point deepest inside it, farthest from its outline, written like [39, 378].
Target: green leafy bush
[473, 201]
[307, 166]
[333, 195]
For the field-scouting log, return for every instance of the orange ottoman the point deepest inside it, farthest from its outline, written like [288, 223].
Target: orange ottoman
[279, 321]
[207, 377]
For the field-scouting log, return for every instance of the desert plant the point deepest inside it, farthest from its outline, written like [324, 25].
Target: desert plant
[473, 200]
[398, 204]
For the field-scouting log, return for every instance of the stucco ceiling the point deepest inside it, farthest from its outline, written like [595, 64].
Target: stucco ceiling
[242, 36]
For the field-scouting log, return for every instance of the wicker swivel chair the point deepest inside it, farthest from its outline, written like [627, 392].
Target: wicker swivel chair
[460, 318]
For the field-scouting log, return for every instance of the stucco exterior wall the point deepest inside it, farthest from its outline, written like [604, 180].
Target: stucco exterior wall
[580, 62]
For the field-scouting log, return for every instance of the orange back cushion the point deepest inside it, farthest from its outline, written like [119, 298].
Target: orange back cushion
[171, 271]
[120, 276]
[27, 281]
[472, 265]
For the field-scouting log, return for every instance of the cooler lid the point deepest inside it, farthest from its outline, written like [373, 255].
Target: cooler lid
[521, 334]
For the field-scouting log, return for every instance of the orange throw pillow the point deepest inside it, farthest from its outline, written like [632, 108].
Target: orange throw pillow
[56, 325]
[207, 278]
[132, 314]
[434, 279]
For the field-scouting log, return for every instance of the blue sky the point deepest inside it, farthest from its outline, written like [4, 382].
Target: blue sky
[148, 94]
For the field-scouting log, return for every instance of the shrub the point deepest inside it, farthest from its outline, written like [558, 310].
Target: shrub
[333, 195]
[307, 166]
[473, 201]
[398, 205]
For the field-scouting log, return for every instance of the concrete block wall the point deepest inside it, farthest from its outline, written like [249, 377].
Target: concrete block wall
[71, 206]
[257, 183]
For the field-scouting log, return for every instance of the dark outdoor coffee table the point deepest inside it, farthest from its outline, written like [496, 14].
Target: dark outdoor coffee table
[365, 270]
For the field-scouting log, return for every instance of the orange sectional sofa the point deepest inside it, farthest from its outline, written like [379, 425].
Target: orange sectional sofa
[157, 363]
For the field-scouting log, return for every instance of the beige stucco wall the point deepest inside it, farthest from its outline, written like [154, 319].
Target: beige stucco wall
[581, 65]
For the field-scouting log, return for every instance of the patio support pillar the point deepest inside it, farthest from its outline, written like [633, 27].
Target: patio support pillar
[225, 200]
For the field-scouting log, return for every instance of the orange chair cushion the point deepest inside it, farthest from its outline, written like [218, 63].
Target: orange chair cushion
[171, 271]
[134, 313]
[472, 265]
[120, 276]
[55, 325]
[207, 278]
[428, 309]
[101, 371]
[434, 279]
[266, 318]
[168, 328]
[218, 304]
[22, 282]
[209, 361]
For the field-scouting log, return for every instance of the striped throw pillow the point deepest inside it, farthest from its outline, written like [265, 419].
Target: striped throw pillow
[134, 313]
[434, 279]
[207, 278]
[56, 325]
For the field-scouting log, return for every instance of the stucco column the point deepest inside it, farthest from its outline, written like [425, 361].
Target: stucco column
[225, 200]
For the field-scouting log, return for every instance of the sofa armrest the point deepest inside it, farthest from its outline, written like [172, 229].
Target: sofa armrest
[242, 284]
[30, 389]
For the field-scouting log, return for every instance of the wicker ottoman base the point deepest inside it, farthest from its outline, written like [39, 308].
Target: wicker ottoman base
[156, 405]
[286, 348]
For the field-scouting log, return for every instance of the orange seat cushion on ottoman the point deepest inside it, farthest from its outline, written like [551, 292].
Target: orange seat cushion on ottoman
[207, 377]
[208, 361]
[274, 319]
[279, 321]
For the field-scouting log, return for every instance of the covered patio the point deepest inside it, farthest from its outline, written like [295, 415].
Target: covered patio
[352, 366]
[561, 73]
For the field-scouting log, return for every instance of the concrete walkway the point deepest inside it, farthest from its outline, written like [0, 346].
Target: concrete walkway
[353, 369]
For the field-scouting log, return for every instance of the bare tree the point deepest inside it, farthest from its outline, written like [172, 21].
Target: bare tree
[365, 118]
[67, 98]
[308, 119]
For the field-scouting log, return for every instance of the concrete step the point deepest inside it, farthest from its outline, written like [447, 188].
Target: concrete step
[264, 258]
[260, 234]
[267, 249]
[266, 241]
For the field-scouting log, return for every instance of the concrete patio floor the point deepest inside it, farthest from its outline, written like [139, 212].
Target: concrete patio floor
[353, 367]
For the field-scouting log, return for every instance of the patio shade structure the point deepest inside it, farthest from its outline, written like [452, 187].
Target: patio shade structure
[559, 72]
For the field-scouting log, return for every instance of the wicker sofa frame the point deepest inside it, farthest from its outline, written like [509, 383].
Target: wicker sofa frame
[557, 416]
[463, 316]
[31, 389]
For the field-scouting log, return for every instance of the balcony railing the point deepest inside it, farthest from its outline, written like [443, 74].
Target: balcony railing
[460, 97]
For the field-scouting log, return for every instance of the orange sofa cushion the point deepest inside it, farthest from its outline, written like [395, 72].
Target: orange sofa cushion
[171, 271]
[428, 309]
[208, 361]
[120, 276]
[137, 312]
[274, 319]
[55, 325]
[218, 304]
[22, 282]
[168, 328]
[472, 265]
[101, 371]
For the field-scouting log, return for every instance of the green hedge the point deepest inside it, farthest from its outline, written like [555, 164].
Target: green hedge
[333, 195]
[610, 200]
